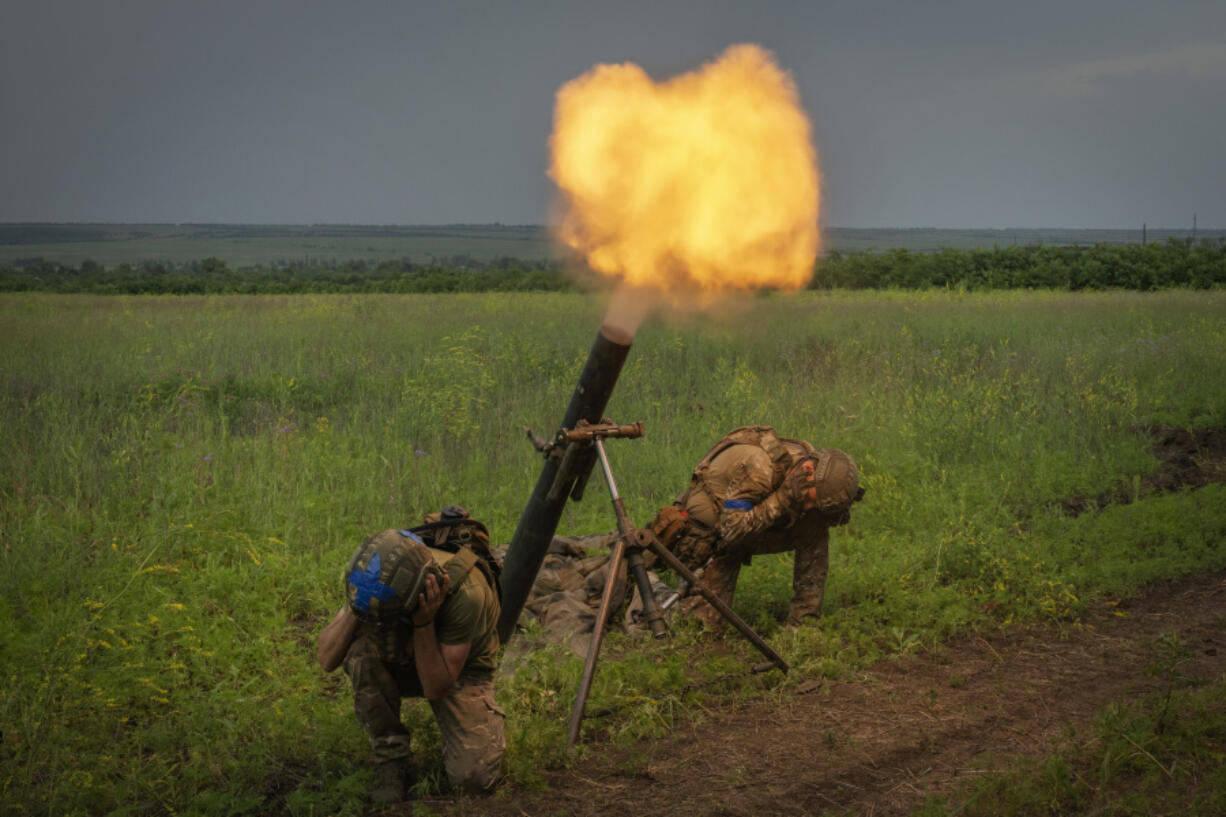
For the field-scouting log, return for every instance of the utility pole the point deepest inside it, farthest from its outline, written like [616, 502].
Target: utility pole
[1194, 228]
[1143, 226]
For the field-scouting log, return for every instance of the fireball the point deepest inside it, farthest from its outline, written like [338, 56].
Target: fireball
[705, 181]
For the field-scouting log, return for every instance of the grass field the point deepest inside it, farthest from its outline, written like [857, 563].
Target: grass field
[265, 245]
[1117, 771]
[182, 479]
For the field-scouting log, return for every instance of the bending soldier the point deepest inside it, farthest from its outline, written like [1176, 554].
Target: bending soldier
[754, 493]
[421, 621]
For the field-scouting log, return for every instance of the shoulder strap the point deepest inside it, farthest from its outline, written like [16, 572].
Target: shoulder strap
[459, 566]
[781, 458]
[460, 562]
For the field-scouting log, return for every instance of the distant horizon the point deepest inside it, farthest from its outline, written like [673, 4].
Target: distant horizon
[252, 244]
[1199, 228]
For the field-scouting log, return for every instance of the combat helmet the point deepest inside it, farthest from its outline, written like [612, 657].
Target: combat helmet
[386, 575]
[838, 483]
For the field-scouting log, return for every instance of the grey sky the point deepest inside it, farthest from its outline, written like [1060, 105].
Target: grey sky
[1101, 113]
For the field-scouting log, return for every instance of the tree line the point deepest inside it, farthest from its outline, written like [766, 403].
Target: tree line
[213, 276]
[1175, 263]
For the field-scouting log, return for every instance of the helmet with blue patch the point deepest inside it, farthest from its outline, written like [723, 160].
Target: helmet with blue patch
[386, 575]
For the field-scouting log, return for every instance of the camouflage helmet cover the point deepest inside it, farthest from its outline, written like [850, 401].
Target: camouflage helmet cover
[386, 574]
[837, 479]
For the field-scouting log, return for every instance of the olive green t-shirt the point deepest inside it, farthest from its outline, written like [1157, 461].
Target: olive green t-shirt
[470, 614]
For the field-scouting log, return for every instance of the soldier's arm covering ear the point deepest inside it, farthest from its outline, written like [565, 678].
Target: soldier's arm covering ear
[750, 505]
[335, 638]
[438, 663]
[799, 488]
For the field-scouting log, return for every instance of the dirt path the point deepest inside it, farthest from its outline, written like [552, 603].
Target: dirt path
[910, 726]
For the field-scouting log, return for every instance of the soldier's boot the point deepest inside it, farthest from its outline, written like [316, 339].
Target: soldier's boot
[804, 610]
[720, 578]
[698, 608]
[391, 781]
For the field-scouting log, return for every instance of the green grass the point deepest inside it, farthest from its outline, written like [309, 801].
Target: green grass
[1159, 755]
[182, 479]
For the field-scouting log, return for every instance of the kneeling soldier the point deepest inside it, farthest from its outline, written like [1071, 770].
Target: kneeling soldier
[421, 621]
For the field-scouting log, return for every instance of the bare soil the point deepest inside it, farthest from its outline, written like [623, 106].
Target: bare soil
[1187, 459]
[914, 726]
[907, 728]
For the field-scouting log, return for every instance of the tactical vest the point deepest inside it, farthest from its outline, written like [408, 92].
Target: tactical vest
[763, 437]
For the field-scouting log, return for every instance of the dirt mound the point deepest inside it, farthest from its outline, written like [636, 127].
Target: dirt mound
[910, 727]
[1188, 459]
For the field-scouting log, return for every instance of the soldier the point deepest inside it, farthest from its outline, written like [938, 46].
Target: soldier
[421, 621]
[753, 493]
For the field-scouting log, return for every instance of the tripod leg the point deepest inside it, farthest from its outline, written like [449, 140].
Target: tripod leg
[593, 648]
[651, 607]
[718, 603]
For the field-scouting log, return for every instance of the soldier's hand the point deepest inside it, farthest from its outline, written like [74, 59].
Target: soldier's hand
[430, 600]
[801, 486]
[669, 524]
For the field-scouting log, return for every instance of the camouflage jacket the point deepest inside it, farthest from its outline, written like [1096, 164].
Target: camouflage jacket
[739, 494]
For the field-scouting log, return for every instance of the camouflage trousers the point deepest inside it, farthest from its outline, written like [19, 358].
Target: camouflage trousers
[469, 722]
[809, 540]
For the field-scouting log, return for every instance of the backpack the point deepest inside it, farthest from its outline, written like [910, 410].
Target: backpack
[455, 531]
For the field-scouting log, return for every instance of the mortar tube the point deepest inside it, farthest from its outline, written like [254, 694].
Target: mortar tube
[539, 521]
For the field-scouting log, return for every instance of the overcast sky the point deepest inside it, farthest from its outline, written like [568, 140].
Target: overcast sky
[1093, 113]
